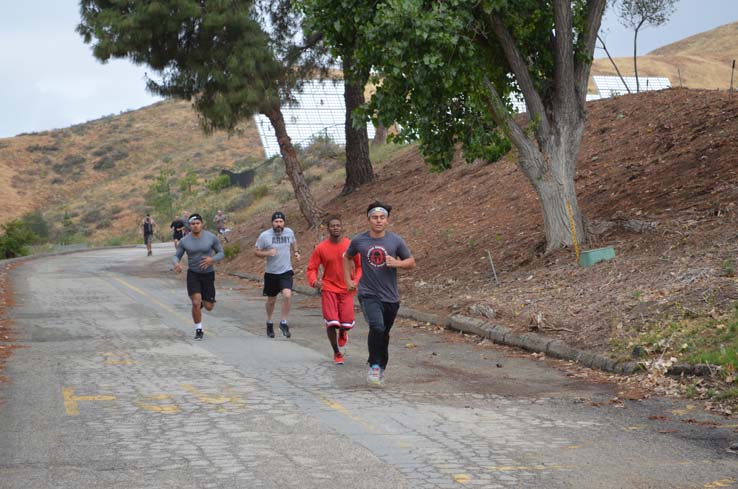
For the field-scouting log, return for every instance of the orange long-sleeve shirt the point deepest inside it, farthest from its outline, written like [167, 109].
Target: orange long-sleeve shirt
[330, 255]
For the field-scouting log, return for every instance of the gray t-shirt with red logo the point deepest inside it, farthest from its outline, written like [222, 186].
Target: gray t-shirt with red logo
[377, 279]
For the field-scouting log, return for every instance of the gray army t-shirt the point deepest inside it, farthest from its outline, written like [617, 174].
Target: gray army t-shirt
[280, 263]
[198, 248]
[377, 279]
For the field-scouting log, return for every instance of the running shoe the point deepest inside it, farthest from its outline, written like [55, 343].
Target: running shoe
[199, 334]
[338, 358]
[270, 329]
[342, 337]
[284, 329]
[374, 375]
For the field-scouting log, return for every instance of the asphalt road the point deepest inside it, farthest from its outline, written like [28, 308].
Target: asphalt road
[112, 391]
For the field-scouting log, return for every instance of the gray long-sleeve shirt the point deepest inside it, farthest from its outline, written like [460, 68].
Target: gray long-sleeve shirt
[197, 249]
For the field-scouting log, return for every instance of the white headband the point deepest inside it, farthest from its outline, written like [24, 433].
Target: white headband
[381, 210]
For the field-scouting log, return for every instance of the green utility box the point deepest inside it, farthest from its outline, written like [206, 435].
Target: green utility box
[590, 257]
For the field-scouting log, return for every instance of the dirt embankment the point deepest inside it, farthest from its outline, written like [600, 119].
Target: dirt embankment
[657, 178]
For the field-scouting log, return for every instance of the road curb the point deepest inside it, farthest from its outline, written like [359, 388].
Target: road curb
[527, 341]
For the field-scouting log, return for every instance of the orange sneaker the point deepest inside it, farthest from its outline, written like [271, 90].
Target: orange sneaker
[342, 337]
[338, 358]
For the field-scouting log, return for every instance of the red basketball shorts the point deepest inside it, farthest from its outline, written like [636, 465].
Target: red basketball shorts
[338, 310]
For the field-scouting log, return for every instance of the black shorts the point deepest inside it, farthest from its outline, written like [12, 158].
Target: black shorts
[201, 283]
[274, 283]
[178, 235]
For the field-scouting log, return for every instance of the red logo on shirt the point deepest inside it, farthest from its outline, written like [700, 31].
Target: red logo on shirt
[376, 256]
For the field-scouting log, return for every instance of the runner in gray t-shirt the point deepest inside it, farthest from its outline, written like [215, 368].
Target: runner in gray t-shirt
[203, 249]
[275, 244]
[382, 253]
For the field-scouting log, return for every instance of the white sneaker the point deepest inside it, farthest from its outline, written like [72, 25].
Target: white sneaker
[374, 377]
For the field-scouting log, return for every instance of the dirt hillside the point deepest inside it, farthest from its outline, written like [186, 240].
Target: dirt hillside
[657, 179]
[99, 171]
[700, 61]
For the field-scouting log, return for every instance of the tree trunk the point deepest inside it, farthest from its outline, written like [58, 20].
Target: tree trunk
[635, 57]
[309, 209]
[358, 166]
[380, 135]
[613, 64]
[551, 173]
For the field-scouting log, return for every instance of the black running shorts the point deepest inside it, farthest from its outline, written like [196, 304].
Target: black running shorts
[201, 283]
[274, 283]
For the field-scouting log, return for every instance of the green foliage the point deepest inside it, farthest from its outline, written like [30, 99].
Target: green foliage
[15, 239]
[186, 182]
[212, 52]
[258, 191]
[69, 230]
[160, 196]
[231, 250]
[219, 183]
[37, 224]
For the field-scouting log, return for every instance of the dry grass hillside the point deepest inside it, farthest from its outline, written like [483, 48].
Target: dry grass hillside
[703, 60]
[99, 172]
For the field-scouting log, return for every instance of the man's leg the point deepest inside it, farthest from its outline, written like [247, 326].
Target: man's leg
[372, 309]
[196, 300]
[389, 313]
[271, 301]
[286, 303]
[331, 331]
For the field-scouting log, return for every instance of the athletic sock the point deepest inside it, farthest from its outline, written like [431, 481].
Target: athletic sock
[198, 326]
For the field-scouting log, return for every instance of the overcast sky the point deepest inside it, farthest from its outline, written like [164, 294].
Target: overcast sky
[49, 78]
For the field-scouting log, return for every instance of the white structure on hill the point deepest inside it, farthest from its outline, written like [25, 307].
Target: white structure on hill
[320, 112]
[612, 86]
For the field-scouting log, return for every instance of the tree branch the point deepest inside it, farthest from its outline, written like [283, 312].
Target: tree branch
[512, 130]
[583, 64]
[564, 53]
[533, 101]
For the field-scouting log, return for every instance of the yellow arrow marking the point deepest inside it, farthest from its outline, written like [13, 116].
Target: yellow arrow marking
[513, 468]
[70, 400]
[168, 409]
[208, 399]
[720, 483]
[462, 478]
[116, 359]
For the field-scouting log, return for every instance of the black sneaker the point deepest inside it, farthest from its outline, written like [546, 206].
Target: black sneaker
[285, 329]
[199, 334]
[270, 330]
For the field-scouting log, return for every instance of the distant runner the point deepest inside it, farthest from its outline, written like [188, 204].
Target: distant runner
[203, 249]
[220, 224]
[382, 253]
[275, 244]
[148, 232]
[337, 301]
[177, 227]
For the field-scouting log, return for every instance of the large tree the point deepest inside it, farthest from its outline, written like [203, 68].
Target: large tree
[212, 52]
[447, 72]
[342, 33]
[636, 14]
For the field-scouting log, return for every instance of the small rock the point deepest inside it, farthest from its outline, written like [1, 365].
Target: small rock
[638, 352]
[733, 447]
[482, 310]
[498, 365]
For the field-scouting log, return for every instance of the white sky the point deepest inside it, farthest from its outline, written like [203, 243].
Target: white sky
[49, 78]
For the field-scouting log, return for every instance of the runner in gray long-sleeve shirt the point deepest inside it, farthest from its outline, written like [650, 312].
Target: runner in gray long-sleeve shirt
[203, 249]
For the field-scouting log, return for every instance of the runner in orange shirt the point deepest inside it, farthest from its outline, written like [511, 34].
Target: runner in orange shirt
[337, 301]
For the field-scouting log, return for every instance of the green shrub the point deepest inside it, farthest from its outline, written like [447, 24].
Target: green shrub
[231, 250]
[15, 239]
[241, 202]
[36, 223]
[219, 183]
[259, 191]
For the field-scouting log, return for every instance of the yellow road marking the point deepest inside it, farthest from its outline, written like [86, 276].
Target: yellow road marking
[208, 399]
[154, 408]
[157, 302]
[70, 400]
[513, 468]
[462, 478]
[682, 412]
[720, 483]
[634, 428]
[341, 409]
[117, 359]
